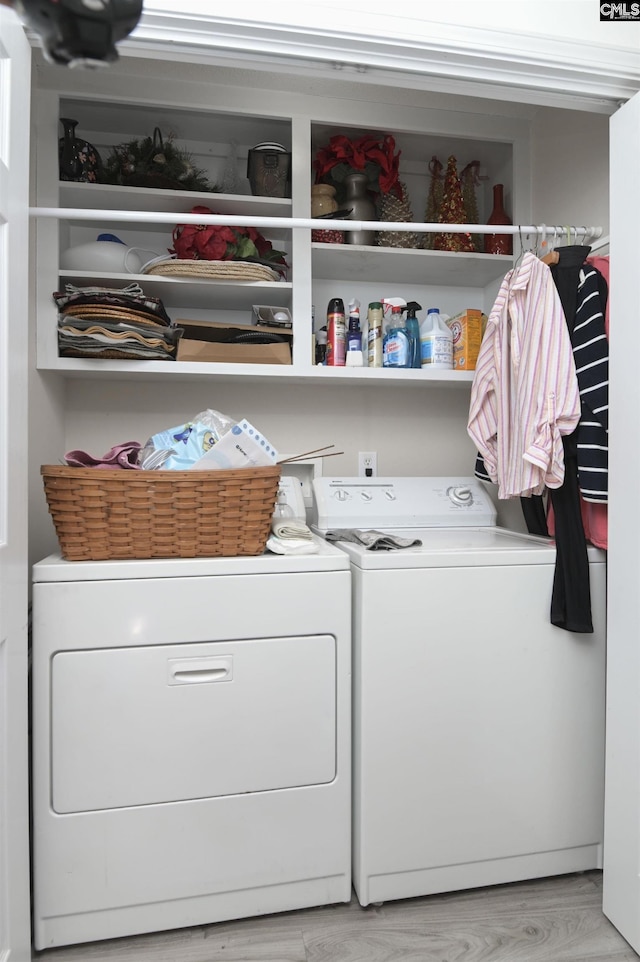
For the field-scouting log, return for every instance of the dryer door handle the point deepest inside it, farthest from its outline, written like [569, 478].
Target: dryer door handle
[198, 671]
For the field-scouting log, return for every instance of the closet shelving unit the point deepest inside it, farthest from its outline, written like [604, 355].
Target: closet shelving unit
[68, 213]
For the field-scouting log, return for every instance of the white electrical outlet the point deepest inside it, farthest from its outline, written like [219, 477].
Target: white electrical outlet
[367, 464]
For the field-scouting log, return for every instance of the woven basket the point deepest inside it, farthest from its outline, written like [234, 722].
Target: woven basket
[108, 313]
[215, 270]
[102, 514]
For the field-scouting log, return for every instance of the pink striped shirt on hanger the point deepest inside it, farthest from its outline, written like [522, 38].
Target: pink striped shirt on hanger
[525, 391]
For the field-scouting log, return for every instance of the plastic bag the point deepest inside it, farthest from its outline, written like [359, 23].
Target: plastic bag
[180, 447]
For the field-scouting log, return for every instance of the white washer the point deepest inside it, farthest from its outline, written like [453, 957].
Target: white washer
[191, 741]
[478, 726]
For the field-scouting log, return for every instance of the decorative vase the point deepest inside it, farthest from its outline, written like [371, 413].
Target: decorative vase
[362, 207]
[498, 243]
[78, 159]
[323, 199]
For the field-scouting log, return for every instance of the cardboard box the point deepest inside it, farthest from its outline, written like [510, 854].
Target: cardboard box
[467, 328]
[189, 350]
[212, 341]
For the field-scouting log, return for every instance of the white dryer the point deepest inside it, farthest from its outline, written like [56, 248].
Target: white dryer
[478, 749]
[191, 741]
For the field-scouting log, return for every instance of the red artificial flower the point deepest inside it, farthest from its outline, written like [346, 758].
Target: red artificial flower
[213, 242]
[364, 153]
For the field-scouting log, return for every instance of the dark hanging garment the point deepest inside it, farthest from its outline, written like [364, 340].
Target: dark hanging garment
[566, 277]
[571, 597]
[535, 515]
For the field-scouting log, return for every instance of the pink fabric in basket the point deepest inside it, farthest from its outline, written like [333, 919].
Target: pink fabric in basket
[120, 456]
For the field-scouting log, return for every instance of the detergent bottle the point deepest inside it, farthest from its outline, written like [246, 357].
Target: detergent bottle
[396, 344]
[436, 342]
[413, 328]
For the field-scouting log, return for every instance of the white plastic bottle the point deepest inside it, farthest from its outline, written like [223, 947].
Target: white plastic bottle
[436, 342]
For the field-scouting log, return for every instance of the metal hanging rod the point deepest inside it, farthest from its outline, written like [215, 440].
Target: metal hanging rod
[541, 231]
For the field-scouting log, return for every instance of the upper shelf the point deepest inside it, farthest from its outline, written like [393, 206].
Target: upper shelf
[113, 197]
[408, 266]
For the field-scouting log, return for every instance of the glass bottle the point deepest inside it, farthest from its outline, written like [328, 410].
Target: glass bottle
[498, 243]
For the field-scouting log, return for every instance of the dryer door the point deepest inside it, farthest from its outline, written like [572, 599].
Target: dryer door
[139, 726]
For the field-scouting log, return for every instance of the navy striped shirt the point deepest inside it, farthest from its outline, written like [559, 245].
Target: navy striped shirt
[591, 356]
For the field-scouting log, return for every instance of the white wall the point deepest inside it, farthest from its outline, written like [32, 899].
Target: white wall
[570, 167]
[415, 431]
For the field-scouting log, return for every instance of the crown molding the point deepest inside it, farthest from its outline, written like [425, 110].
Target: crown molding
[455, 59]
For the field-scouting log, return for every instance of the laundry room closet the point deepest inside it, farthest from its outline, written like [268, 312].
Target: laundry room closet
[548, 148]
[414, 420]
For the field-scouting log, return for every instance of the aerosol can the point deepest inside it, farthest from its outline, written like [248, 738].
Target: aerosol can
[336, 333]
[354, 356]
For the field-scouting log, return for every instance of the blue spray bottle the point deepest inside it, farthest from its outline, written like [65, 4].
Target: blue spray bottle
[396, 345]
[413, 328]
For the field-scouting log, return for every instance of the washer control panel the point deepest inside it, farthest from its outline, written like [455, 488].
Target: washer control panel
[401, 503]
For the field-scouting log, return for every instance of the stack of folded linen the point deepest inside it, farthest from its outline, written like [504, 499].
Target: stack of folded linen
[114, 323]
[291, 536]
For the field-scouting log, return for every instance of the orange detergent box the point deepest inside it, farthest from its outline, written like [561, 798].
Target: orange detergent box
[467, 328]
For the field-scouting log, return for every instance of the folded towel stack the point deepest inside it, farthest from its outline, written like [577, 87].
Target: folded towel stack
[290, 536]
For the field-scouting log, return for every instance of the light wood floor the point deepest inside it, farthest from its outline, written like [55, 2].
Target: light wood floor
[549, 920]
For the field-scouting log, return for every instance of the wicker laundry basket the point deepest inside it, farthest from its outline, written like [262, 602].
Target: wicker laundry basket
[102, 514]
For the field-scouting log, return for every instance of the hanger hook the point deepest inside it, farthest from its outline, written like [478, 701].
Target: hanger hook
[542, 239]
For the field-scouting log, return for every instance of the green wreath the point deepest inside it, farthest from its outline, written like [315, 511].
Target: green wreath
[153, 162]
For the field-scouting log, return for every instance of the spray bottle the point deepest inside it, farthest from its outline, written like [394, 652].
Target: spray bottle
[436, 342]
[321, 345]
[396, 344]
[353, 356]
[413, 327]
